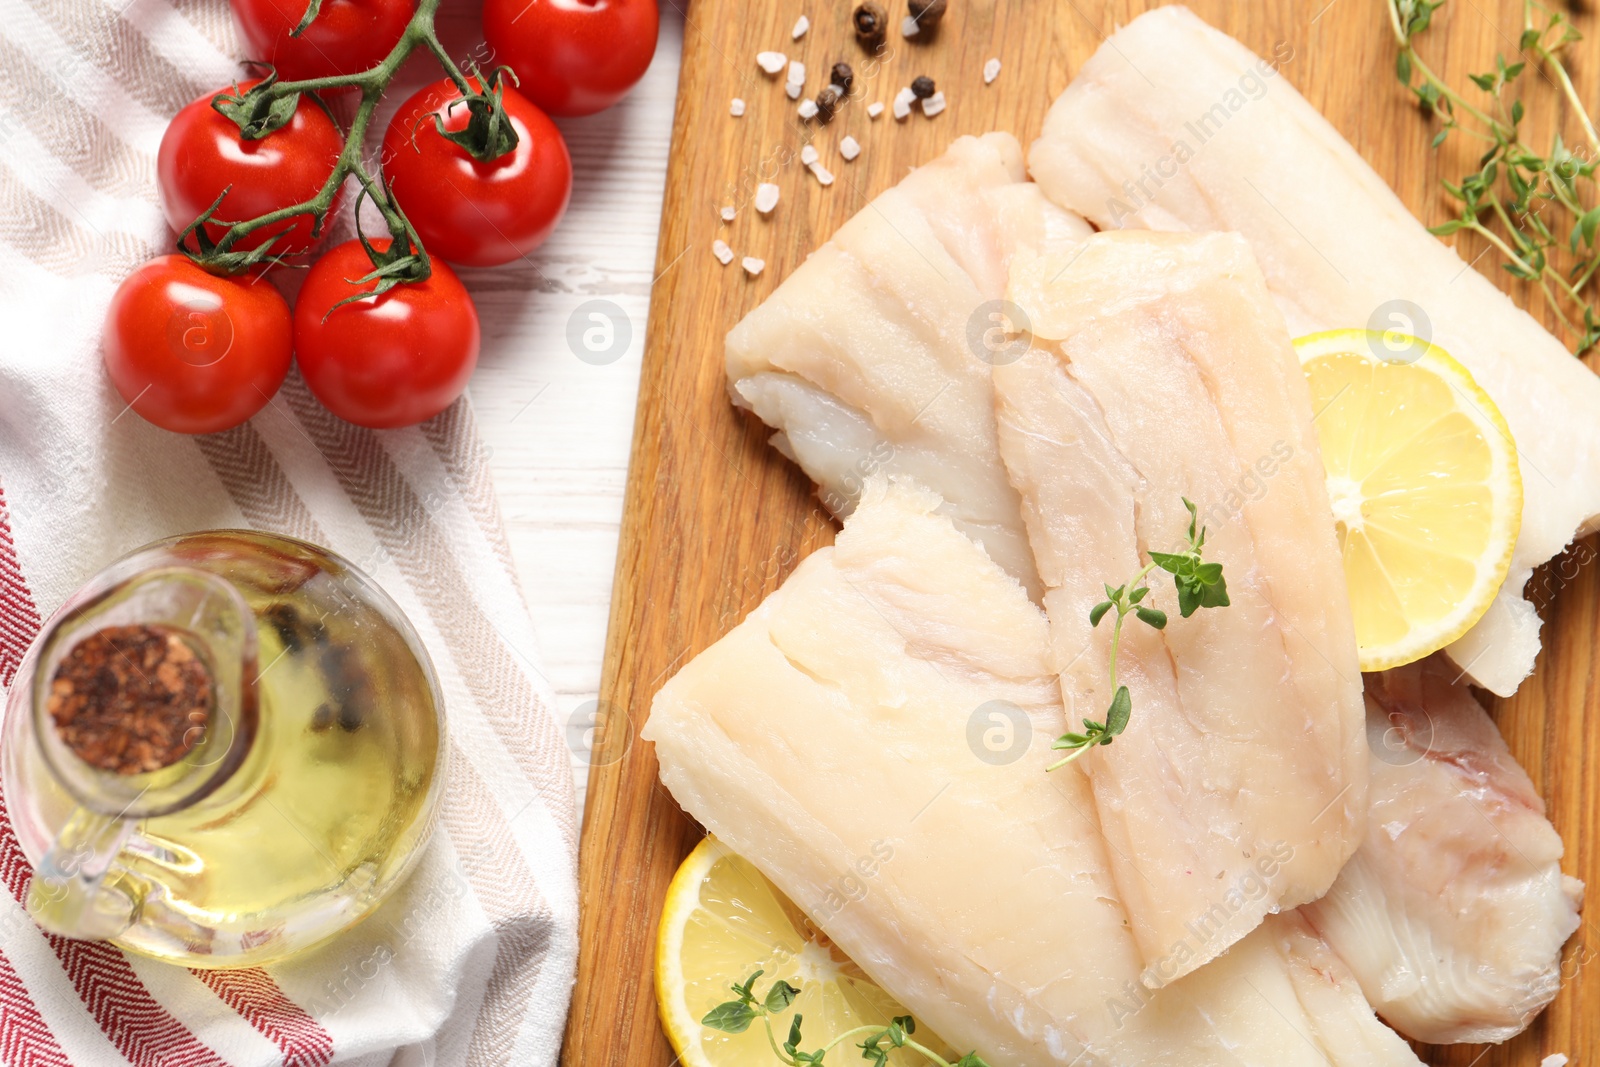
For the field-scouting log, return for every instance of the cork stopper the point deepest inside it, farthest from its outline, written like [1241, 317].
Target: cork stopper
[131, 699]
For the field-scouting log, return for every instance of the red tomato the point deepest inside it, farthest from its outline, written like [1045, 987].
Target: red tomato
[346, 37]
[202, 154]
[575, 57]
[390, 360]
[479, 214]
[193, 352]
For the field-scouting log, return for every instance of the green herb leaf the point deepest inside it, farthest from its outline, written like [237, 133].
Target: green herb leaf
[1171, 562]
[780, 996]
[1588, 224]
[732, 1017]
[1188, 598]
[1118, 714]
[744, 991]
[1098, 612]
[1152, 617]
[793, 1043]
[1402, 67]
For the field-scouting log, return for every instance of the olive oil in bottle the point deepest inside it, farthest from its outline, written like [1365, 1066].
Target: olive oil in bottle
[310, 775]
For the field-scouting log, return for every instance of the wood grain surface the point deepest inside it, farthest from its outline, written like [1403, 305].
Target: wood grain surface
[715, 519]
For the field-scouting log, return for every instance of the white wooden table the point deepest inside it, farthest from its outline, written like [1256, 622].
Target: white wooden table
[560, 425]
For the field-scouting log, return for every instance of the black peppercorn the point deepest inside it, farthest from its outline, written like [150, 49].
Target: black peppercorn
[922, 87]
[871, 24]
[827, 103]
[927, 13]
[842, 76]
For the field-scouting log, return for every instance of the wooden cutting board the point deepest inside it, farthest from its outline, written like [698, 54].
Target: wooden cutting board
[715, 519]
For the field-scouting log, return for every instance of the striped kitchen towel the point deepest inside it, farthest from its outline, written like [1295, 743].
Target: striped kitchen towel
[472, 961]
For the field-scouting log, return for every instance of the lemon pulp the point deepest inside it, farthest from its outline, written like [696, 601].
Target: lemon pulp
[1424, 485]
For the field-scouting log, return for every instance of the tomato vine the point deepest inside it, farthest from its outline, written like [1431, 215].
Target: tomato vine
[271, 104]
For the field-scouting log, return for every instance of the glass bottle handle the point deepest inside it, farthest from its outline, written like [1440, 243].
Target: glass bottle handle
[69, 894]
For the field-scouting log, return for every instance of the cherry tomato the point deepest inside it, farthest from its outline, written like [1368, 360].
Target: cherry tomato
[479, 214]
[575, 57]
[193, 352]
[202, 153]
[346, 37]
[390, 360]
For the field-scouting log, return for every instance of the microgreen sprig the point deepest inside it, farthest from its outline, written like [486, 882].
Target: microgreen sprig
[1519, 199]
[1199, 584]
[878, 1042]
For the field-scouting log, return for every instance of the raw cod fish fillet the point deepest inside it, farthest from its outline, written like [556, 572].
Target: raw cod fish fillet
[1173, 125]
[871, 355]
[1162, 371]
[1453, 912]
[848, 711]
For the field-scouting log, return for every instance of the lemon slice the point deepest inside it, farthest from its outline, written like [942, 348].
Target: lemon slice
[722, 922]
[1425, 487]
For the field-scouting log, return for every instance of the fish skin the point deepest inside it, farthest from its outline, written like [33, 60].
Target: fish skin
[1173, 125]
[862, 359]
[1162, 371]
[1453, 912]
[840, 715]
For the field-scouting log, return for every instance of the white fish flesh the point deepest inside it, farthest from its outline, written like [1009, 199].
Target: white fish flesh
[871, 356]
[1161, 371]
[1173, 125]
[896, 695]
[1453, 912]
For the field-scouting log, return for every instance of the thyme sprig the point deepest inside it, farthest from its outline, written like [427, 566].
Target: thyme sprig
[876, 1044]
[1199, 584]
[1519, 199]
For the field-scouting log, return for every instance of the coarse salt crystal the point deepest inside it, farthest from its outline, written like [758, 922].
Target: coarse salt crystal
[849, 148]
[823, 174]
[801, 25]
[729, 213]
[793, 89]
[902, 102]
[908, 27]
[809, 155]
[1554, 1060]
[797, 73]
[720, 249]
[766, 197]
[991, 71]
[736, 108]
[808, 108]
[874, 109]
[932, 105]
[752, 265]
[771, 62]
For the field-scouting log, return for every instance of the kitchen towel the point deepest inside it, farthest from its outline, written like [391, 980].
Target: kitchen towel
[472, 961]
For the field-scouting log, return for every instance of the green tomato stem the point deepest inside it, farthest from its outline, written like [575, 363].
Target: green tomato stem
[372, 83]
